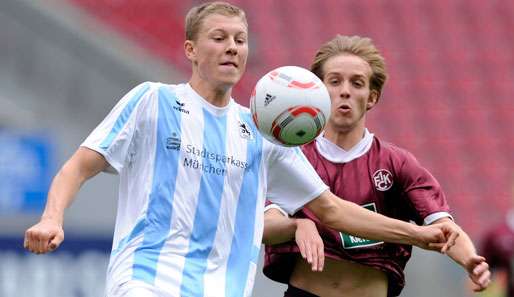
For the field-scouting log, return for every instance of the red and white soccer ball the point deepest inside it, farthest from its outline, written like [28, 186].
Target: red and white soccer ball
[290, 106]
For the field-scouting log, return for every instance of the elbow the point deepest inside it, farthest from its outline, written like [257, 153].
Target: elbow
[77, 170]
[68, 172]
[329, 217]
[328, 209]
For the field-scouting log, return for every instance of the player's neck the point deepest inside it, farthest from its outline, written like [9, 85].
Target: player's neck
[216, 95]
[345, 139]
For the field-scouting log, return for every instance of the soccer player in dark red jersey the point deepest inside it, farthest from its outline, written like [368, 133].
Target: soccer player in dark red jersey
[498, 247]
[318, 261]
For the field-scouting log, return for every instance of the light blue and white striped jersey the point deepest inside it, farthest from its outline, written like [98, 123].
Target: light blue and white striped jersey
[193, 181]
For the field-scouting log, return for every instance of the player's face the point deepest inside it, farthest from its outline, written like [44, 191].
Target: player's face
[347, 78]
[220, 50]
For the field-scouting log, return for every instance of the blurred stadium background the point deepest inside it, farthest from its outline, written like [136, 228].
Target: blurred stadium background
[64, 64]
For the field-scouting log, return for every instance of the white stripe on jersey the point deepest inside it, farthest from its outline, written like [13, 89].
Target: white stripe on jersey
[184, 205]
[217, 261]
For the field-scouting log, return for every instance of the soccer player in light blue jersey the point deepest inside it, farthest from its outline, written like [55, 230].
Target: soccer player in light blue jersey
[194, 175]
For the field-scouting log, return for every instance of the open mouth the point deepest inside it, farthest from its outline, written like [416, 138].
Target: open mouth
[232, 64]
[344, 108]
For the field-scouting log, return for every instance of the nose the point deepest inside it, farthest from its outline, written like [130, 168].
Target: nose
[344, 90]
[231, 46]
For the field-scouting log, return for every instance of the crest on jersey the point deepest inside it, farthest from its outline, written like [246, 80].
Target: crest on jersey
[173, 142]
[244, 131]
[383, 180]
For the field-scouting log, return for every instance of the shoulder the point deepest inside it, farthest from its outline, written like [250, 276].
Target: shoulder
[310, 150]
[146, 97]
[154, 87]
[158, 88]
[147, 86]
[399, 161]
[388, 147]
[241, 108]
[143, 90]
[391, 151]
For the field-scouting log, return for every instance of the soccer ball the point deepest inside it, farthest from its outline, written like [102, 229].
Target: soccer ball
[290, 106]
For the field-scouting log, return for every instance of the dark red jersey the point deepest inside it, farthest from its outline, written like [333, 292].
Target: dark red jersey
[498, 249]
[385, 179]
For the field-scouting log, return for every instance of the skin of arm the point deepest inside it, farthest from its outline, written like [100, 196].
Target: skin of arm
[47, 234]
[464, 254]
[279, 228]
[351, 218]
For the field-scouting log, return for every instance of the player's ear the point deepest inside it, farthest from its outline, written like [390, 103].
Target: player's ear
[374, 95]
[190, 50]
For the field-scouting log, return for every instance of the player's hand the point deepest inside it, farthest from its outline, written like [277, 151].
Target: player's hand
[310, 243]
[43, 237]
[478, 271]
[438, 237]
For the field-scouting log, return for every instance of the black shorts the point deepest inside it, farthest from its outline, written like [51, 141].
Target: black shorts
[296, 292]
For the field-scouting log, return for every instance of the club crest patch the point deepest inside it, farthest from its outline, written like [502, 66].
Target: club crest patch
[383, 180]
[244, 131]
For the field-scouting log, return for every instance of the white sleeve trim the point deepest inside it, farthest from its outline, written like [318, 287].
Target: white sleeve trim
[274, 206]
[436, 216]
[311, 197]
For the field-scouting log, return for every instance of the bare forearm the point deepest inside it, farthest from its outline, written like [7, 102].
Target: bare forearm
[46, 235]
[356, 220]
[61, 194]
[84, 164]
[277, 228]
[463, 250]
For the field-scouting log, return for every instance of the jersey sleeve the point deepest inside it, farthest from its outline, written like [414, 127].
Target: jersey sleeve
[423, 191]
[270, 205]
[112, 138]
[292, 181]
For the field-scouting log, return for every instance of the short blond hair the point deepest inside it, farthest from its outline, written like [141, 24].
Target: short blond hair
[361, 47]
[197, 14]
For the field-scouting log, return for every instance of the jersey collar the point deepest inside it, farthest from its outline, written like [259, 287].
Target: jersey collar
[336, 154]
[219, 111]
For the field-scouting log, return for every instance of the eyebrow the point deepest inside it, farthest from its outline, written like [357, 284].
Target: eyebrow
[353, 75]
[338, 73]
[219, 30]
[359, 75]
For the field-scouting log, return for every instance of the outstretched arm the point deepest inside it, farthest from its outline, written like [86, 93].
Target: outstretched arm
[279, 228]
[350, 218]
[464, 254]
[48, 234]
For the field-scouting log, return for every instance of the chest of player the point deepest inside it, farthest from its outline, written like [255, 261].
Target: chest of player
[214, 144]
[362, 181]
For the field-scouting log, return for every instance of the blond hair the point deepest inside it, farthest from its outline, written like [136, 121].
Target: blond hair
[361, 47]
[197, 14]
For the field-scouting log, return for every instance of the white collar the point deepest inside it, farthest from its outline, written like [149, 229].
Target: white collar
[210, 107]
[336, 154]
